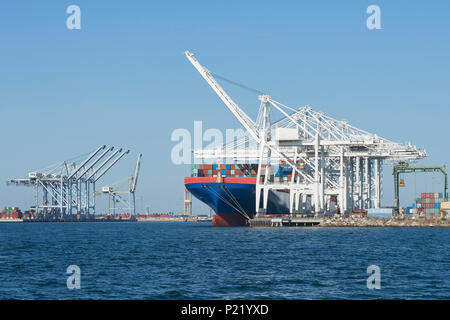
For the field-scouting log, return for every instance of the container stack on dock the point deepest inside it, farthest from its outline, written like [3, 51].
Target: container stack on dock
[445, 208]
[29, 215]
[357, 214]
[429, 204]
[11, 214]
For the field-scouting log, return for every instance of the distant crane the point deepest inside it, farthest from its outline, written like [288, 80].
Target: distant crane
[128, 204]
[68, 187]
[404, 167]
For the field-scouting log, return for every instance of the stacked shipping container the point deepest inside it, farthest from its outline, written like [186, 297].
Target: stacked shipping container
[357, 213]
[224, 170]
[279, 173]
[428, 204]
[11, 213]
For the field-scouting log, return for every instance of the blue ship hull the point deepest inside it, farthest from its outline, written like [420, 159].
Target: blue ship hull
[232, 201]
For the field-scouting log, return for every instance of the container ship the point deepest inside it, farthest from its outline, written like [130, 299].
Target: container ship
[229, 190]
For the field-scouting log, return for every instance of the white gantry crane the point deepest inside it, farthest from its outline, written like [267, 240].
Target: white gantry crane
[126, 198]
[68, 187]
[330, 159]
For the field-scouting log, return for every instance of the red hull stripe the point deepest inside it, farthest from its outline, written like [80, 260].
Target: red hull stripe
[243, 180]
[228, 220]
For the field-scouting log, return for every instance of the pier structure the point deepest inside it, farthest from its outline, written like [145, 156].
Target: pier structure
[335, 166]
[187, 202]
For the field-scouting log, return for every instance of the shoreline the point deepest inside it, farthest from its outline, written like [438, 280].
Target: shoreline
[397, 222]
[387, 222]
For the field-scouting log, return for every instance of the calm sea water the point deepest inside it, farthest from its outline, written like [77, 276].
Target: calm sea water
[197, 261]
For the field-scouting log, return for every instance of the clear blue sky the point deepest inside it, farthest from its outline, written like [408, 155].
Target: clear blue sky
[123, 79]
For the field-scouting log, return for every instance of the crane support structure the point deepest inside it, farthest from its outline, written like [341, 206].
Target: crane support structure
[333, 163]
[123, 201]
[68, 188]
[404, 167]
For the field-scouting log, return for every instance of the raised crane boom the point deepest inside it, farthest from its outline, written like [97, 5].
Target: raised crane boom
[109, 167]
[243, 118]
[85, 161]
[95, 170]
[94, 163]
[136, 174]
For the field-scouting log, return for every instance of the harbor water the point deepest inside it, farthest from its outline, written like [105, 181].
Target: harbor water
[183, 260]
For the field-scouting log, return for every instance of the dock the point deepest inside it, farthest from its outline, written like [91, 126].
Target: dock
[401, 221]
[285, 222]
